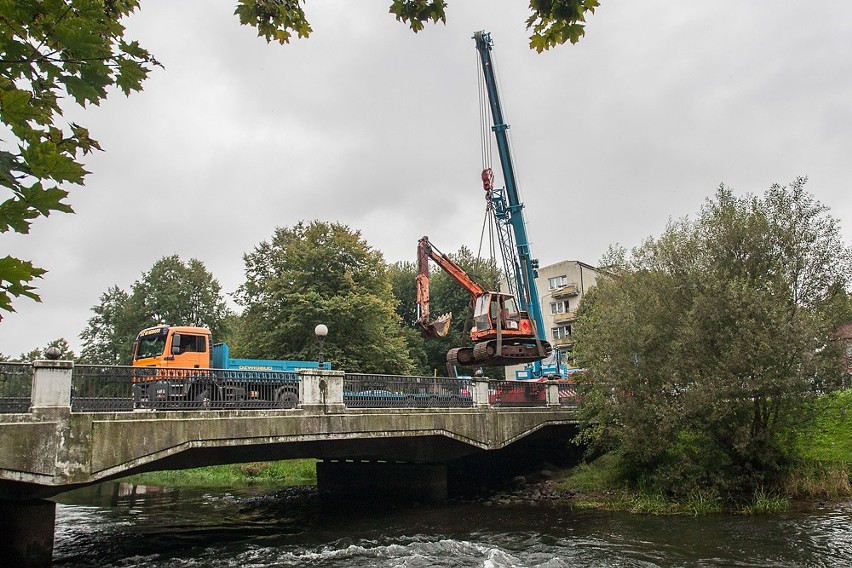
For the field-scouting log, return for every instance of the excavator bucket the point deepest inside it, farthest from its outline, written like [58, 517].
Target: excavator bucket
[440, 327]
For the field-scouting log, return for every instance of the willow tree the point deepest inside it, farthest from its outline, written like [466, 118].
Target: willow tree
[705, 344]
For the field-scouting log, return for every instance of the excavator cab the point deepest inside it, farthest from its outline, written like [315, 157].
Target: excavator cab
[495, 311]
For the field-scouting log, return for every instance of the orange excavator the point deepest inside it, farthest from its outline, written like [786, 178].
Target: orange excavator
[501, 333]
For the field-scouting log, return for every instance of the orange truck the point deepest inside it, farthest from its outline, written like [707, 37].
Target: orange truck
[180, 367]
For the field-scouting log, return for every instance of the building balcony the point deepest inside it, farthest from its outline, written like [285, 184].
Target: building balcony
[566, 317]
[564, 343]
[565, 291]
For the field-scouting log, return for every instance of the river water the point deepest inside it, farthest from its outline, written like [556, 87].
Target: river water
[117, 525]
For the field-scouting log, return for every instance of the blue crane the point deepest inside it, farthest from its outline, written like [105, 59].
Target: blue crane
[520, 268]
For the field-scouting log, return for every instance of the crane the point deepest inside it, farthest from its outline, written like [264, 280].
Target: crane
[520, 268]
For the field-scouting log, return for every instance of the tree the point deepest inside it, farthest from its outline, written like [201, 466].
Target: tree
[108, 336]
[172, 291]
[704, 347]
[321, 273]
[55, 49]
[61, 343]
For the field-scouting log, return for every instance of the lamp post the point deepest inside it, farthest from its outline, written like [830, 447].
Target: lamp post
[321, 331]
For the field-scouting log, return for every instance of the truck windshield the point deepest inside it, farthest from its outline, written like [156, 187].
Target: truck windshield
[150, 346]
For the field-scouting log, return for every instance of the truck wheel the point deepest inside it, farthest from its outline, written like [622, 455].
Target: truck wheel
[286, 399]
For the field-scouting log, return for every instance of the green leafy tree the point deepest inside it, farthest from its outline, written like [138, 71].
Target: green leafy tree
[65, 351]
[321, 273]
[53, 49]
[706, 344]
[172, 291]
[109, 333]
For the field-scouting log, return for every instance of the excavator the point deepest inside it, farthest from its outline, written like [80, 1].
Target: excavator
[501, 333]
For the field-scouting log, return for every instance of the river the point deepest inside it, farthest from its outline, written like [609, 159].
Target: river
[118, 525]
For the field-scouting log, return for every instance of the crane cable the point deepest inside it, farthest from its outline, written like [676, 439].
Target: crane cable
[490, 220]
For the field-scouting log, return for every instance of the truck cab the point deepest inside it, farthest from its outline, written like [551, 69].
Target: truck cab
[185, 347]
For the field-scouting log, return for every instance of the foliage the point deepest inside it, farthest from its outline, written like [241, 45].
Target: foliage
[704, 347]
[321, 273]
[52, 49]
[283, 473]
[445, 296]
[65, 352]
[828, 438]
[172, 291]
[554, 22]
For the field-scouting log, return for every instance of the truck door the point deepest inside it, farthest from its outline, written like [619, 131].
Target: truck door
[189, 351]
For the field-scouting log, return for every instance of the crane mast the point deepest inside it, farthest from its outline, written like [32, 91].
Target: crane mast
[521, 267]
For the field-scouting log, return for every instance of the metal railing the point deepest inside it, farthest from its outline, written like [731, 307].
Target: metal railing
[108, 388]
[569, 395]
[388, 391]
[101, 388]
[16, 383]
[517, 393]
[161, 388]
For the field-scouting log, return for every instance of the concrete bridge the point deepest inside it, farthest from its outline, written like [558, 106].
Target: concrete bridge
[50, 448]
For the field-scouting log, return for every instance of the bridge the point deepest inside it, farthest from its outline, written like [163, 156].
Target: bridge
[64, 427]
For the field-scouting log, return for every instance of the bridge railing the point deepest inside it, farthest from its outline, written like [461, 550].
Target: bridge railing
[108, 388]
[363, 390]
[532, 393]
[157, 388]
[16, 381]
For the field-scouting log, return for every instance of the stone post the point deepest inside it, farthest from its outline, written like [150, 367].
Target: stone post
[51, 392]
[552, 393]
[480, 391]
[321, 391]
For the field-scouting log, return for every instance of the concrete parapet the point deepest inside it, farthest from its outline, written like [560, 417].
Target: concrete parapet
[51, 390]
[552, 393]
[321, 391]
[480, 392]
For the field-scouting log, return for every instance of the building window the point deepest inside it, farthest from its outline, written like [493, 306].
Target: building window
[557, 282]
[560, 332]
[559, 307]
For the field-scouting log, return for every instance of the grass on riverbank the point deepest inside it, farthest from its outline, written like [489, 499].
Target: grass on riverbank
[823, 471]
[280, 473]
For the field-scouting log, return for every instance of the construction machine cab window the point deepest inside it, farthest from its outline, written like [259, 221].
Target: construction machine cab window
[491, 308]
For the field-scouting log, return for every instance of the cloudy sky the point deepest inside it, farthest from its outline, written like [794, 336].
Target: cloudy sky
[368, 124]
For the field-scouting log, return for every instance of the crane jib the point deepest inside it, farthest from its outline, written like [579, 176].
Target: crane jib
[508, 206]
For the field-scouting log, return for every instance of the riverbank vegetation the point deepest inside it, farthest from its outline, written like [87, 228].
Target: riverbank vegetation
[279, 473]
[711, 356]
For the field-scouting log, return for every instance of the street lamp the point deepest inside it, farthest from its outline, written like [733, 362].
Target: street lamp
[321, 331]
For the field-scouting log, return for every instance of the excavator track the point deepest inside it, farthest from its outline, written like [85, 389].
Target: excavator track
[460, 356]
[485, 354]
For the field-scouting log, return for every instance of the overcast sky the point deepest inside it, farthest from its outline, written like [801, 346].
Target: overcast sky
[368, 124]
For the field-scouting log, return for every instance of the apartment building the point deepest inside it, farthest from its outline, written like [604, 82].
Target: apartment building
[561, 287]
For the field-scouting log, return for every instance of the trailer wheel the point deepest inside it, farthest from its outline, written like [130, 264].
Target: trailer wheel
[285, 398]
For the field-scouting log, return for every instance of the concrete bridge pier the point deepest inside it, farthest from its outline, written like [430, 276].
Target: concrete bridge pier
[381, 481]
[26, 533]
